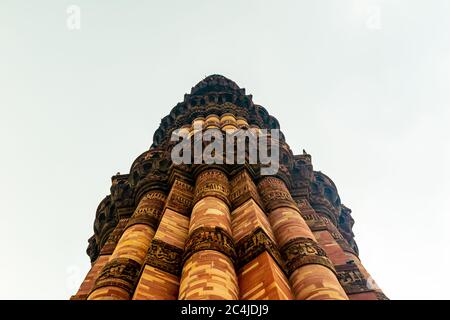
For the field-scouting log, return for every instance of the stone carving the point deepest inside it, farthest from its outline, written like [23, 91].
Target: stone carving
[326, 201]
[121, 191]
[275, 194]
[180, 197]
[205, 238]
[214, 183]
[243, 188]
[92, 249]
[302, 175]
[318, 222]
[314, 222]
[351, 279]
[103, 216]
[345, 225]
[149, 210]
[153, 164]
[252, 245]
[301, 251]
[165, 257]
[114, 237]
[105, 221]
[120, 272]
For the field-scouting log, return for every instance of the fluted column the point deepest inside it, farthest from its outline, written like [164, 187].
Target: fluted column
[208, 270]
[160, 278]
[259, 265]
[104, 256]
[310, 272]
[119, 276]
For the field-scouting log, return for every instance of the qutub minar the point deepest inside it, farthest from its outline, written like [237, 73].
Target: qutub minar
[223, 231]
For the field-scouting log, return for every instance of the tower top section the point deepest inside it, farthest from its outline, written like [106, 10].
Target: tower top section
[217, 95]
[216, 83]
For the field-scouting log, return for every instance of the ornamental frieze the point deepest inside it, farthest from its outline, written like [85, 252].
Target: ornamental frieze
[206, 238]
[272, 183]
[351, 279]
[314, 222]
[274, 194]
[113, 239]
[212, 183]
[151, 221]
[165, 257]
[120, 272]
[149, 210]
[121, 191]
[252, 245]
[337, 236]
[302, 251]
[150, 183]
[242, 189]
[181, 197]
[92, 249]
[317, 223]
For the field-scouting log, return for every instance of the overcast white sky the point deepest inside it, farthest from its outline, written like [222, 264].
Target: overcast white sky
[364, 86]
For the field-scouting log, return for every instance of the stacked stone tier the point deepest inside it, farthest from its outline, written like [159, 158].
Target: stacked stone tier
[223, 231]
[224, 236]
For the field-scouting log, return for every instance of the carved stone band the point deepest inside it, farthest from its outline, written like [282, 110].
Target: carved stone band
[113, 238]
[205, 238]
[180, 197]
[243, 188]
[165, 257]
[214, 183]
[302, 251]
[318, 223]
[252, 245]
[149, 210]
[351, 279]
[274, 194]
[315, 222]
[120, 272]
[149, 220]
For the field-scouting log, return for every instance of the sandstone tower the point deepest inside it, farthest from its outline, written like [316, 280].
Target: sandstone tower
[225, 231]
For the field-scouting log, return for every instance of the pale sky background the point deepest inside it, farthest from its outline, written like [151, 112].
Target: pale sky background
[364, 86]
